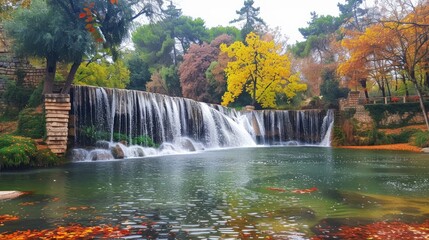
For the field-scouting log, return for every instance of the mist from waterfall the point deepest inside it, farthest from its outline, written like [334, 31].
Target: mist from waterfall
[137, 124]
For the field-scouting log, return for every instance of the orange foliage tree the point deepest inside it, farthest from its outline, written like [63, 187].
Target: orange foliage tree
[398, 42]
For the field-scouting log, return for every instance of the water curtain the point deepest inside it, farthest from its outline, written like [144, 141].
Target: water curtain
[137, 118]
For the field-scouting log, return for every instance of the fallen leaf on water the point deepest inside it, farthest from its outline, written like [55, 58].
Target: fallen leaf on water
[27, 203]
[69, 232]
[276, 189]
[378, 230]
[7, 218]
[309, 190]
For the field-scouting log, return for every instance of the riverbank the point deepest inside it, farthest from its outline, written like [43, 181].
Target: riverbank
[392, 147]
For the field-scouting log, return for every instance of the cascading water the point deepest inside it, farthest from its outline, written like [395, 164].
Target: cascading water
[124, 123]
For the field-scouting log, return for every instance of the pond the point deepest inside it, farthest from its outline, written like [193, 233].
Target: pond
[248, 193]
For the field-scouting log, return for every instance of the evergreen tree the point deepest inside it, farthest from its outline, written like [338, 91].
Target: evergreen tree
[249, 15]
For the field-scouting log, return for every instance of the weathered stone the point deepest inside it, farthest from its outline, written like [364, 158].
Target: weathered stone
[52, 143]
[56, 124]
[57, 120]
[56, 115]
[60, 138]
[102, 144]
[186, 144]
[117, 152]
[100, 155]
[50, 133]
[63, 108]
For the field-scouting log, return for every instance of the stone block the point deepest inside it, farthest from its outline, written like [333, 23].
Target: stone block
[49, 120]
[57, 124]
[58, 151]
[56, 134]
[59, 138]
[64, 108]
[57, 115]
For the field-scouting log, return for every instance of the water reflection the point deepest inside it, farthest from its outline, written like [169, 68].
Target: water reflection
[234, 193]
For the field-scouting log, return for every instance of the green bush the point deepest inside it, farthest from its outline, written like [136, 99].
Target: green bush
[404, 136]
[421, 139]
[16, 151]
[46, 158]
[31, 123]
[144, 141]
[19, 152]
[377, 112]
[376, 137]
[92, 135]
[36, 98]
[16, 94]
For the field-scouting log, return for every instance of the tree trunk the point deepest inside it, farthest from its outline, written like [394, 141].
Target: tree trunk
[422, 104]
[363, 84]
[404, 80]
[70, 76]
[388, 88]
[254, 93]
[51, 68]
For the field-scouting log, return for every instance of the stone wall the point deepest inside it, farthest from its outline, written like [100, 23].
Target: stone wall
[57, 107]
[9, 65]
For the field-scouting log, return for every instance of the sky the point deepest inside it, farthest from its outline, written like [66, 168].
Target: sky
[289, 15]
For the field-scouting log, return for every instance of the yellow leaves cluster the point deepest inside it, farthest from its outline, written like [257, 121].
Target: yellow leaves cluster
[259, 68]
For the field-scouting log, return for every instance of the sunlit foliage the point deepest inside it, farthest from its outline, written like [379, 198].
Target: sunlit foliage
[259, 68]
[104, 74]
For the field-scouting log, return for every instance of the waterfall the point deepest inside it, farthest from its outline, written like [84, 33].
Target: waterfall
[309, 127]
[129, 123]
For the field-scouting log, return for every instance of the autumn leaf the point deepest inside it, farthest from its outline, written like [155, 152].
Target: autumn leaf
[82, 15]
[7, 218]
[69, 232]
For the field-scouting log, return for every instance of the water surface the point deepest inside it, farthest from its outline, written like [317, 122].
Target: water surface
[229, 193]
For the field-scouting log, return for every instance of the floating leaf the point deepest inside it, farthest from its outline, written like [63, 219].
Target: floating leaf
[7, 218]
[276, 189]
[309, 190]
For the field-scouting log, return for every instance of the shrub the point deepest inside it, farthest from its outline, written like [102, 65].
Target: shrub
[36, 98]
[421, 139]
[18, 152]
[16, 94]
[46, 158]
[404, 136]
[31, 123]
[379, 138]
[144, 141]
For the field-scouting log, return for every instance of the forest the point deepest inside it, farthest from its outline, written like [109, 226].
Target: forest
[381, 50]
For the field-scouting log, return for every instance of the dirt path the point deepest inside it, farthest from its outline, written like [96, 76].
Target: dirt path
[393, 147]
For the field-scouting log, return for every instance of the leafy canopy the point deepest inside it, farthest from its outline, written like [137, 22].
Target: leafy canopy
[259, 68]
[104, 74]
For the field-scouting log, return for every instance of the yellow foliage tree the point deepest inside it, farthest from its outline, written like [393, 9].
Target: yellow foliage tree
[259, 68]
[105, 74]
